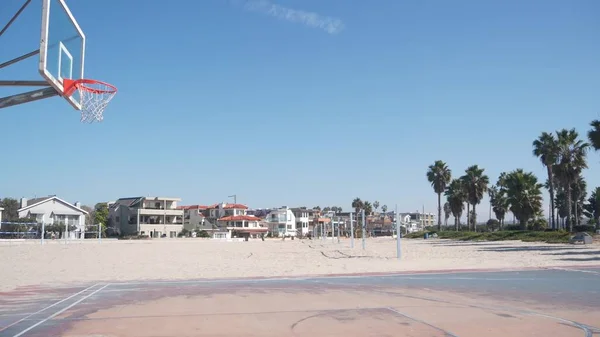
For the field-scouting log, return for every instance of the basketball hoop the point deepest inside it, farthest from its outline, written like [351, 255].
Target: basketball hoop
[95, 96]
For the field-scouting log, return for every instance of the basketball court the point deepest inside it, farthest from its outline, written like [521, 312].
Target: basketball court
[550, 302]
[56, 53]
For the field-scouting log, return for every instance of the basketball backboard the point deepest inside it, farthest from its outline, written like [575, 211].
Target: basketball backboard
[62, 48]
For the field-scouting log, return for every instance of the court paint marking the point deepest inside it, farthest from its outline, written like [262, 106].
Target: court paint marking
[577, 270]
[48, 307]
[62, 310]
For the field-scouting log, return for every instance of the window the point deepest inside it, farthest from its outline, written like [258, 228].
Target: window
[289, 226]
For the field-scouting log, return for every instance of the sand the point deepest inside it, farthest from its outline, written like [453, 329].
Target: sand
[80, 262]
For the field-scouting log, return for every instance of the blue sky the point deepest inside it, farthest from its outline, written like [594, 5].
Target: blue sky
[310, 102]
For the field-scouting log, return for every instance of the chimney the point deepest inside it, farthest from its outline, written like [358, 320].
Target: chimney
[77, 204]
[23, 202]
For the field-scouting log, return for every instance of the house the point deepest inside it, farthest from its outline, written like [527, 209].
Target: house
[1, 209]
[153, 216]
[240, 226]
[195, 219]
[232, 220]
[52, 210]
[282, 222]
[303, 218]
[413, 222]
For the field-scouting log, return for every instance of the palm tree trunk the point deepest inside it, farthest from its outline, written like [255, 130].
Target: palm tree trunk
[575, 213]
[551, 185]
[468, 216]
[439, 211]
[474, 220]
[569, 207]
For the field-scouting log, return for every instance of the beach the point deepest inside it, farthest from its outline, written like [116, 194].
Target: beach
[57, 263]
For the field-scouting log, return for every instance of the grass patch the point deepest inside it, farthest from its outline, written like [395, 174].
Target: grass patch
[526, 236]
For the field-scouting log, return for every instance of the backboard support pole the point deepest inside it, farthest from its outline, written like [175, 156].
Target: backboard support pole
[24, 84]
[10, 22]
[26, 97]
[20, 58]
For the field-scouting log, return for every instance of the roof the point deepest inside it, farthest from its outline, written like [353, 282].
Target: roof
[298, 209]
[128, 202]
[38, 201]
[236, 206]
[202, 207]
[228, 206]
[251, 230]
[239, 218]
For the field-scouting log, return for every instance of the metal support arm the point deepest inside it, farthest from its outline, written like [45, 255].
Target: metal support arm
[25, 97]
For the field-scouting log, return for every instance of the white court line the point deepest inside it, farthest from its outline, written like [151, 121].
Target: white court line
[62, 310]
[405, 276]
[576, 270]
[48, 307]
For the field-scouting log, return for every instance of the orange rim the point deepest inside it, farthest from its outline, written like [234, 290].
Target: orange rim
[69, 86]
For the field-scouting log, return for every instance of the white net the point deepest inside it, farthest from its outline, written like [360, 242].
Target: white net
[94, 99]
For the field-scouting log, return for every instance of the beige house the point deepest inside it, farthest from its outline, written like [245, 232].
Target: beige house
[152, 216]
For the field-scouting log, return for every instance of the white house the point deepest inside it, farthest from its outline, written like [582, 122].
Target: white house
[282, 222]
[53, 210]
[194, 218]
[153, 216]
[303, 218]
[1, 209]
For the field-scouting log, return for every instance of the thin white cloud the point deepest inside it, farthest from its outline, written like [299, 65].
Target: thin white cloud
[327, 23]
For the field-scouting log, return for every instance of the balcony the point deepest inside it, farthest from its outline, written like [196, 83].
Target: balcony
[149, 211]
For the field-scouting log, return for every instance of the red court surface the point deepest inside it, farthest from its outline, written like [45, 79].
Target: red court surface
[553, 302]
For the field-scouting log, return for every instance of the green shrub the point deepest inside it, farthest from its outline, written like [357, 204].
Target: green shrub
[526, 236]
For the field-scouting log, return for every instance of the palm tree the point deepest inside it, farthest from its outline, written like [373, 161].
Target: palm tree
[571, 162]
[579, 191]
[368, 207]
[447, 212]
[546, 149]
[524, 195]
[456, 198]
[476, 184]
[375, 205]
[561, 206]
[357, 204]
[594, 135]
[439, 176]
[384, 209]
[500, 207]
[592, 208]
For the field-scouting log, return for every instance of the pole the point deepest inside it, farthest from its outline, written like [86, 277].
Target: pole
[43, 232]
[99, 232]
[66, 232]
[339, 234]
[332, 230]
[351, 230]
[398, 244]
[364, 243]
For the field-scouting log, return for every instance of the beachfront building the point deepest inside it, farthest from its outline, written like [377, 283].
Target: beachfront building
[304, 217]
[152, 216]
[282, 222]
[232, 220]
[194, 218]
[240, 226]
[1, 209]
[52, 210]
